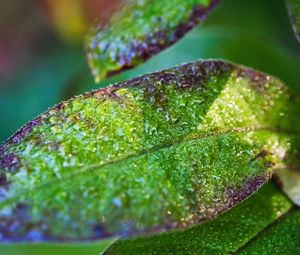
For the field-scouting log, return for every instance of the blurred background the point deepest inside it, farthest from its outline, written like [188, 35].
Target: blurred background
[42, 57]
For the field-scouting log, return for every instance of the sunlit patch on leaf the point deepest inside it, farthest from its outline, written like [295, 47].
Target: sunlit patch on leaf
[141, 30]
[165, 150]
[294, 12]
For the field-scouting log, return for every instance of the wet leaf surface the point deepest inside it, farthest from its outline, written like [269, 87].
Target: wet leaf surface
[224, 235]
[224, 35]
[141, 30]
[165, 150]
[294, 12]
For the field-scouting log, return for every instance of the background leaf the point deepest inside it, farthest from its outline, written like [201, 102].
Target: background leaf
[141, 30]
[281, 237]
[294, 11]
[87, 248]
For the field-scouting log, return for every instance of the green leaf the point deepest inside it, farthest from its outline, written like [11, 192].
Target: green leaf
[86, 248]
[141, 30]
[165, 150]
[282, 237]
[294, 12]
[223, 235]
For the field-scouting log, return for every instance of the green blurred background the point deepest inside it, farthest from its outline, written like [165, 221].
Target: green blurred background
[42, 58]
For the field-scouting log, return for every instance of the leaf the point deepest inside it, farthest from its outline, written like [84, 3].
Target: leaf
[141, 30]
[166, 150]
[282, 237]
[223, 235]
[294, 12]
[86, 248]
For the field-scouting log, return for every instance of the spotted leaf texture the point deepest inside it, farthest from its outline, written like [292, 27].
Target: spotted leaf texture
[165, 150]
[141, 30]
[294, 12]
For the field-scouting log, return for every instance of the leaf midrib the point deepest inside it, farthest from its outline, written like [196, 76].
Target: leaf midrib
[151, 150]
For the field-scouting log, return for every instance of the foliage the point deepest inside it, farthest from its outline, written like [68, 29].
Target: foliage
[165, 150]
[141, 30]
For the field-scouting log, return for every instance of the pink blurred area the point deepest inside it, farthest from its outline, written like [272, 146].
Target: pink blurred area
[28, 27]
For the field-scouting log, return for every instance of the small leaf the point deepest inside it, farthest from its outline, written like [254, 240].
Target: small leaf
[165, 150]
[223, 235]
[294, 11]
[141, 30]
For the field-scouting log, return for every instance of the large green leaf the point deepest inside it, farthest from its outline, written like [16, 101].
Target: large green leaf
[294, 11]
[141, 30]
[165, 150]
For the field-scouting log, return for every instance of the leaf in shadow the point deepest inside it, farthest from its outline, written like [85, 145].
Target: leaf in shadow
[282, 237]
[294, 12]
[165, 150]
[141, 30]
[86, 248]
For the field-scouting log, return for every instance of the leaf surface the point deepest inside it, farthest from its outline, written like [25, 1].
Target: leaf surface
[282, 237]
[141, 30]
[294, 12]
[223, 235]
[48, 248]
[165, 150]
